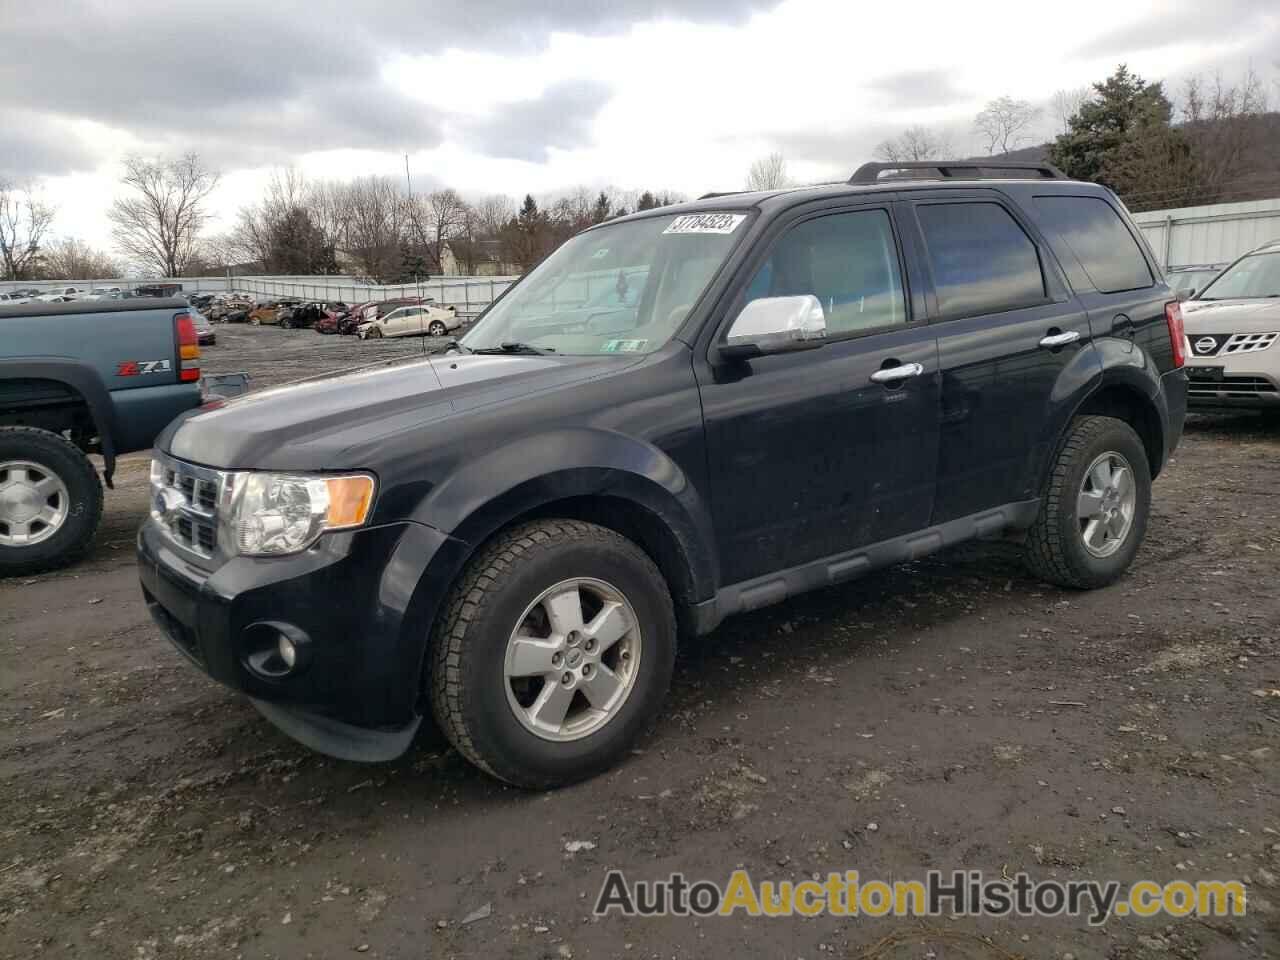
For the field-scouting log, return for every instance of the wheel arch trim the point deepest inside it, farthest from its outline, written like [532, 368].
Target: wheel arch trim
[85, 381]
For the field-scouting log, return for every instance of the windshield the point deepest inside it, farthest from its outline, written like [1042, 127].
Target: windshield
[1257, 275]
[622, 288]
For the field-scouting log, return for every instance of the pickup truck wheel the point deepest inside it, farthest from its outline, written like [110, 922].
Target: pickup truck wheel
[554, 650]
[50, 501]
[1094, 513]
[437, 328]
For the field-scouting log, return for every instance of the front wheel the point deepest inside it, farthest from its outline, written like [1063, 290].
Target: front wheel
[437, 328]
[375, 333]
[50, 501]
[555, 649]
[1094, 513]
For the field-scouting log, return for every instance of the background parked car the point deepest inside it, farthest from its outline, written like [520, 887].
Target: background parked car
[269, 312]
[412, 321]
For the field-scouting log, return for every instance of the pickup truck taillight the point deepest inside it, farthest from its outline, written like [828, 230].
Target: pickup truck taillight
[1177, 333]
[184, 331]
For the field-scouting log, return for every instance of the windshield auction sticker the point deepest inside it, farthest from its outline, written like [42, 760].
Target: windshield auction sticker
[706, 223]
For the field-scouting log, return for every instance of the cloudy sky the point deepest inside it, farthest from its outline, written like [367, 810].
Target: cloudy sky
[538, 95]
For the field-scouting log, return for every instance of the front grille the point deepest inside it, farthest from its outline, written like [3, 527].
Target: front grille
[191, 519]
[1248, 343]
[1230, 387]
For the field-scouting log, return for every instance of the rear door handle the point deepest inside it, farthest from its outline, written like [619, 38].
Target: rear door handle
[1060, 339]
[898, 373]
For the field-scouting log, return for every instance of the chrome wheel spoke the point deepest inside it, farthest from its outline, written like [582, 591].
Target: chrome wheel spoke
[551, 707]
[1117, 524]
[531, 657]
[19, 530]
[608, 626]
[1122, 481]
[601, 687]
[1095, 533]
[1101, 474]
[46, 486]
[564, 610]
[1089, 504]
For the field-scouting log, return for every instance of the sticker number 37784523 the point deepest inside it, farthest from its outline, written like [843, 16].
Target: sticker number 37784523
[706, 223]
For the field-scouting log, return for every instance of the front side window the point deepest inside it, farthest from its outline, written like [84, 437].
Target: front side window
[1098, 237]
[982, 260]
[848, 261]
[1253, 277]
[619, 288]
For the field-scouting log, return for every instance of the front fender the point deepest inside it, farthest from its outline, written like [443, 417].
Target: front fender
[488, 492]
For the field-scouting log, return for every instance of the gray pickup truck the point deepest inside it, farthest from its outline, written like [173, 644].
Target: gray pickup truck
[80, 378]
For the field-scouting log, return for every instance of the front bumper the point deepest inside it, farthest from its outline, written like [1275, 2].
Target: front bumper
[360, 599]
[1248, 381]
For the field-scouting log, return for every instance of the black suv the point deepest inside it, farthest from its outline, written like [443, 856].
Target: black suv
[742, 398]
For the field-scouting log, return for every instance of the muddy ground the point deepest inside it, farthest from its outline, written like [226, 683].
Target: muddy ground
[947, 714]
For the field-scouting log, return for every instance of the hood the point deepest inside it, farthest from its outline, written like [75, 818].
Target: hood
[1231, 316]
[310, 425]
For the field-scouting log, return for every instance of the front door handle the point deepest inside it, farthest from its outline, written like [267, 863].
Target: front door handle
[1060, 339]
[898, 373]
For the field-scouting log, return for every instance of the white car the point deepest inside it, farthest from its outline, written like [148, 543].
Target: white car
[1233, 330]
[412, 321]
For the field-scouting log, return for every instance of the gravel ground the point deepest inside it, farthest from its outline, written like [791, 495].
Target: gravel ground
[949, 714]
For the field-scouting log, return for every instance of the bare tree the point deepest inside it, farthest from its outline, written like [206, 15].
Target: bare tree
[1222, 122]
[24, 220]
[157, 226]
[493, 213]
[73, 259]
[434, 219]
[376, 224]
[914, 143]
[1005, 122]
[768, 173]
[1066, 103]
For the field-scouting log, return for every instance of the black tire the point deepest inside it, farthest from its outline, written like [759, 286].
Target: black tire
[60, 457]
[437, 328]
[468, 686]
[286, 324]
[375, 333]
[1055, 550]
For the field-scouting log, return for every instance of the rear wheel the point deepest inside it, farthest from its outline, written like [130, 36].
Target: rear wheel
[50, 500]
[554, 651]
[1094, 513]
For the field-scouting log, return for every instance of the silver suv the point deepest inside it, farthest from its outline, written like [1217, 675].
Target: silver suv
[1232, 327]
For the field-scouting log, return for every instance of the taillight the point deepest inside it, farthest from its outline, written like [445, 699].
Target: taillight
[184, 331]
[1177, 333]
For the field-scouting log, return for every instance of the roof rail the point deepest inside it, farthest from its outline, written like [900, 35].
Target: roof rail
[720, 193]
[956, 169]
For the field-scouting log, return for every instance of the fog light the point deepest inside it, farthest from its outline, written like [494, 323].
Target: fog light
[288, 652]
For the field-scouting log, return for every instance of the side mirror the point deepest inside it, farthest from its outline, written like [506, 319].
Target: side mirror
[776, 325]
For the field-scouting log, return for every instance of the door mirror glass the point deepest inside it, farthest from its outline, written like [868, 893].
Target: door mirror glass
[776, 325]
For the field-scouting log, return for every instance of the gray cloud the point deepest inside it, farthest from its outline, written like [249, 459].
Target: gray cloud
[919, 88]
[1187, 20]
[261, 81]
[34, 146]
[561, 118]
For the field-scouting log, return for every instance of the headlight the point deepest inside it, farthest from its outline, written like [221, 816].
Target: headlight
[275, 514]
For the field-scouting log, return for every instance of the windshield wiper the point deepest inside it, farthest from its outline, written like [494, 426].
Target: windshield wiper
[515, 347]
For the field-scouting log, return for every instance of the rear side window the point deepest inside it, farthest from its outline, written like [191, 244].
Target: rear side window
[1093, 230]
[983, 261]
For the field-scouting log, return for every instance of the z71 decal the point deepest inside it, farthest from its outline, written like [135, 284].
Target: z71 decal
[136, 368]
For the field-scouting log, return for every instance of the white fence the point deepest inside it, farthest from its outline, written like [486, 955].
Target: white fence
[1211, 234]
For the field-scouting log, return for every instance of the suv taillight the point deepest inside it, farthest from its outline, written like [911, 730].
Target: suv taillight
[184, 332]
[1177, 333]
